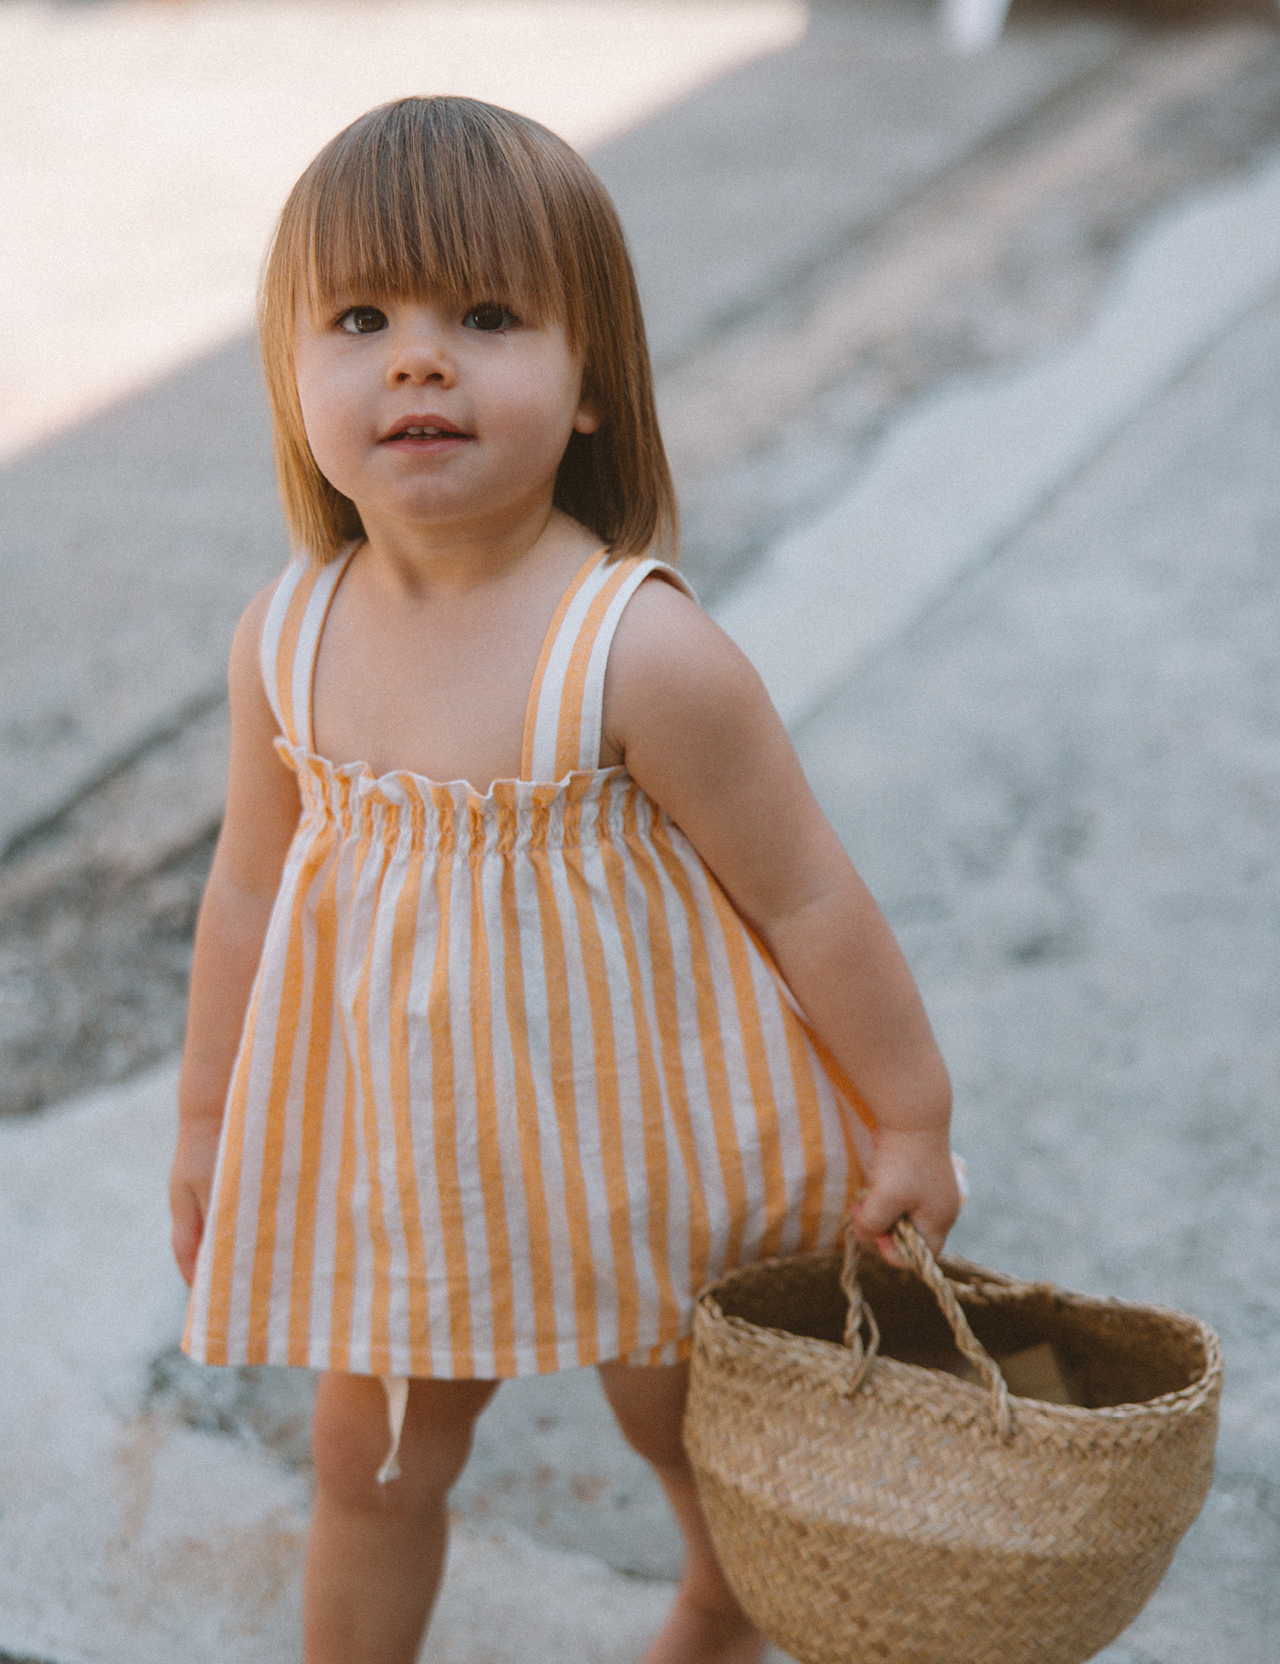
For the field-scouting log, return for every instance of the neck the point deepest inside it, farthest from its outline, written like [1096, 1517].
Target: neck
[459, 556]
[442, 560]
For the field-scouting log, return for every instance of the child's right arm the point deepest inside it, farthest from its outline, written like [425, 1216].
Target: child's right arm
[261, 818]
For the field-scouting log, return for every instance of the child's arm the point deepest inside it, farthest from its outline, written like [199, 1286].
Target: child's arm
[261, 817]
[698, 732]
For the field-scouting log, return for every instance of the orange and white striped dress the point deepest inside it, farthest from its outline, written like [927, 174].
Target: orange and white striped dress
[515, 1078]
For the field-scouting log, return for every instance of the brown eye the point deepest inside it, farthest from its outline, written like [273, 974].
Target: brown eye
[362, 320]
[489, 315]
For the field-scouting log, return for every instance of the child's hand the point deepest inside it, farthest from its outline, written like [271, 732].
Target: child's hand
[912, 1174]
[190, 1182]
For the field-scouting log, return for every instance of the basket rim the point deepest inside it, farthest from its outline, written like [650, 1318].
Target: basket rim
[1206, 1384]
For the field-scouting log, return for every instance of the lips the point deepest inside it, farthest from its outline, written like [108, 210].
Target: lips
[424, 429]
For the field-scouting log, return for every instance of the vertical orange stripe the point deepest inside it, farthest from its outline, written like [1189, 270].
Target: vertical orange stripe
[659, 1064]
[315, 1081]
[224, 1213]
[754, 1050]
[564, 1097]
[809, 1115]
[501, 1293]
[711, 1041]
[665, 976]
[343, 561]
[444, 1107]
[403, 939]
[379, 1236]
[275, 1124]
[344, 1252]
[287, 650]
[609, 1109]
[544, 658]
[657, 1181]
[540, 1269]
[569, 729]
[344, 1259]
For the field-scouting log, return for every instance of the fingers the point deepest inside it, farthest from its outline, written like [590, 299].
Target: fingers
[875, 1215]
[912, 1176]
[188, 1228]
[887, 1248]
[190, 1181]
[883, 1240]
[876, 1212]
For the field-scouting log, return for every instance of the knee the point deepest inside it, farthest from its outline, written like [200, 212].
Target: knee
[351, 1435]
[660, 1446]
[649, 1407]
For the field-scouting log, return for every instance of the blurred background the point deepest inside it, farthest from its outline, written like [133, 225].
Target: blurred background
[967, 367]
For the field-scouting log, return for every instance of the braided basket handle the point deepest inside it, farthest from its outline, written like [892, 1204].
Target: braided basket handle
[915, 1250]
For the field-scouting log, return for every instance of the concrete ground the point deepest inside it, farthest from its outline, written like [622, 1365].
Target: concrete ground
[967, 373]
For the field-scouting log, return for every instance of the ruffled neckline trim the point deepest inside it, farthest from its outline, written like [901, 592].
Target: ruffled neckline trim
[395, 784]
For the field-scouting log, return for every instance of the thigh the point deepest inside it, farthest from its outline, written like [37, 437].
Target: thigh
[351, 1434]
[649, 1406]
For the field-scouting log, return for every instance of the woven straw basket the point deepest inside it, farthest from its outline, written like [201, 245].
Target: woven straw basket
[871, 1510]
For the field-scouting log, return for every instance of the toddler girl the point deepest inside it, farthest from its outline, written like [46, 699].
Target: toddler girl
[531, 989]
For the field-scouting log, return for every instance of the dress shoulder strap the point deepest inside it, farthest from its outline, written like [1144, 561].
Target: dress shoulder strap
[290, 637]
[566, 702]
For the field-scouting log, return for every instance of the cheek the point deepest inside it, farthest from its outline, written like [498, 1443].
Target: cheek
[326, 420]
[545, 405]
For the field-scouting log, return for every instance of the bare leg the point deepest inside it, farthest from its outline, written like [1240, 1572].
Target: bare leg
[706, 1624]
[375, 1553]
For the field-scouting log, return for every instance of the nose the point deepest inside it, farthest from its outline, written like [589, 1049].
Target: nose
[421, 355]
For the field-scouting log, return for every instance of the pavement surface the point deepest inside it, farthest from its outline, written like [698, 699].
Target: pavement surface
[968, 374]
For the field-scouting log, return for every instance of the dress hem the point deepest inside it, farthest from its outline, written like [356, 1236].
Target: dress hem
[658, 1355]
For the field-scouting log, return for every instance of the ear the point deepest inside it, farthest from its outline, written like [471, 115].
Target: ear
[588, 416]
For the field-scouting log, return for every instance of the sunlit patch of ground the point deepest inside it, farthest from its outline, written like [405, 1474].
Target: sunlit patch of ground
[145, 149]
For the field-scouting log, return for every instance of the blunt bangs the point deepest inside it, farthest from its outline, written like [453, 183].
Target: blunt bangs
[417, 205]
[451, 198]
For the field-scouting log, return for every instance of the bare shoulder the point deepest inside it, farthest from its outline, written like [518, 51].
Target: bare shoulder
[670, 659]
[262, 792]
[244, 673]
[254, 616]
[690, 718]
[657, 608]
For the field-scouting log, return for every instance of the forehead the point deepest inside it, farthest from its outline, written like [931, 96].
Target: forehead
[426, 237]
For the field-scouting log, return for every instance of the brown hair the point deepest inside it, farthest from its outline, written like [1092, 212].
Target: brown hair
[450, 197]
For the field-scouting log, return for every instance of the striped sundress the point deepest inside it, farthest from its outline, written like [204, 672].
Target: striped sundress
[515, 1079]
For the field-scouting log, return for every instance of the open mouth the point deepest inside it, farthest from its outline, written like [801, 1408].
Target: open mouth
[424, 433]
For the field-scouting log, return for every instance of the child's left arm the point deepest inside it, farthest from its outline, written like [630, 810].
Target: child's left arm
[696, 729]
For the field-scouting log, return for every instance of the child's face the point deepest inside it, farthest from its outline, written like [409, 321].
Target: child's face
[430, 415]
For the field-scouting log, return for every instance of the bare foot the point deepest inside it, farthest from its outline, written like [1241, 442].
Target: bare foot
[693, 1634]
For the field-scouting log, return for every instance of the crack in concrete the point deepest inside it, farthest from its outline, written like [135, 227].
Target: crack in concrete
[993, 261]
[51, 826]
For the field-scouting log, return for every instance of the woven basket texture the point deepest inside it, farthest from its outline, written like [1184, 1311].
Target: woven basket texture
[889, 1522]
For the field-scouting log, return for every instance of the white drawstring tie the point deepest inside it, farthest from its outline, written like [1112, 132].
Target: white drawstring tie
[396, 1388]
